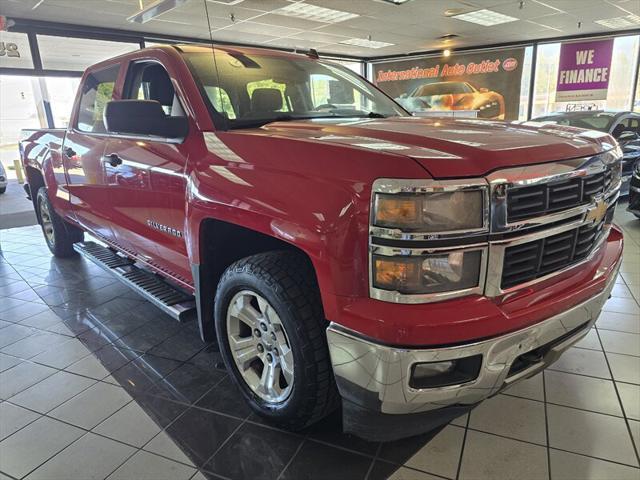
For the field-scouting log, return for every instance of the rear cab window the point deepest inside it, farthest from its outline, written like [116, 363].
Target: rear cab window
[97, 90]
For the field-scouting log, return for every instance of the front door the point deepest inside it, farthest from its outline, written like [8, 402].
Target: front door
[147, 180]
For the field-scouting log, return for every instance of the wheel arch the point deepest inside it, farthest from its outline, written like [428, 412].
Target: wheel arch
[220, 244]
[35, 180]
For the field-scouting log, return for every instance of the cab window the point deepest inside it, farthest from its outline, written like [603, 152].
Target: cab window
[97, 90]
[269, 85]
[150, 81]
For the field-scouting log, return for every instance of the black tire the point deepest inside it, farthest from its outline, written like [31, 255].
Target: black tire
[63, 235]
[287, 281]
[2, 190]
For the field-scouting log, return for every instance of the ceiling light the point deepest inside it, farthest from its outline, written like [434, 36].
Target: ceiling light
[395, 2]
[485, 17]
[620, 22]
[154, 9]
[446, 53]
[227, 2]
[317, 14]
[363, 42]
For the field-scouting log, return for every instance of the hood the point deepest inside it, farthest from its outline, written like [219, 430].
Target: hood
[449, 148]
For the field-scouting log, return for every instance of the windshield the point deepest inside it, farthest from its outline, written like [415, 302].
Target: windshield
[442, 88]
[593, 121]
[252, 89]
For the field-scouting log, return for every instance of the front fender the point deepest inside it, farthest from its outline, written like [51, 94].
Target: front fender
[315, 197]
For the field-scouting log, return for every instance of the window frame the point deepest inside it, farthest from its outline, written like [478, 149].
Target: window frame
[130, 77]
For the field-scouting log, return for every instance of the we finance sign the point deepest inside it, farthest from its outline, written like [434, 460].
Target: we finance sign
[584, 71]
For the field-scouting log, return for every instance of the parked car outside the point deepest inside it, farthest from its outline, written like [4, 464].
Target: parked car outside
[454, 96]
[624, 126]
[634, 192]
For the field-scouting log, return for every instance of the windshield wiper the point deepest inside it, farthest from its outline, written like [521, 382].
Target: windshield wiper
[376, 115]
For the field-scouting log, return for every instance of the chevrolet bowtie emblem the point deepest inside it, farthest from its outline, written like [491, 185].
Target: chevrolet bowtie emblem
[597, 212]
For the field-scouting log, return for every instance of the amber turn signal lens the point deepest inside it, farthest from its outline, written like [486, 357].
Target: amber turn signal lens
[397, 211]
[395, 274]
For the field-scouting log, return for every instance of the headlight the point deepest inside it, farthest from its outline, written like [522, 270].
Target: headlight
[432, 212]
[430, 273]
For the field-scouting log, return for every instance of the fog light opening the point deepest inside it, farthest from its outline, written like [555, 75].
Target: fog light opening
[445, 373]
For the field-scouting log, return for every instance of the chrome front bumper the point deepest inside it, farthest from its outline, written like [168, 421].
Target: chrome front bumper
[376, 377]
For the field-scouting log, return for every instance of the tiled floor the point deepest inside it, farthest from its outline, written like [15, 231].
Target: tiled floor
[97, 383]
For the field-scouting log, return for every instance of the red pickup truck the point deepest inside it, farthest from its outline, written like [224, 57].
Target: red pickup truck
[340, 251]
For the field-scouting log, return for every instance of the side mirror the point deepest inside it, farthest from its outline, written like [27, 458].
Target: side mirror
[143, 117]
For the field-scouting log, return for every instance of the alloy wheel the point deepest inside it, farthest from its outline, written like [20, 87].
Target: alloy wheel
[259, 346]
[47, 223]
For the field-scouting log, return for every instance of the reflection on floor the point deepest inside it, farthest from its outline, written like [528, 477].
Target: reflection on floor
[95, 383]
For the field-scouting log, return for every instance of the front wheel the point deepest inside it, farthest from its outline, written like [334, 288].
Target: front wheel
[59, 235]
[271, 330]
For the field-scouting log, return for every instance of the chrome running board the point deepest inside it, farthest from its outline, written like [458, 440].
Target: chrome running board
[166, 297]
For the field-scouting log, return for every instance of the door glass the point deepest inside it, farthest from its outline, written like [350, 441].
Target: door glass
[150, 81]
[97, 90]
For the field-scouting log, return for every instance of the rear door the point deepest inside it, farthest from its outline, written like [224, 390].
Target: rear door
[148, 183]
[83, 151]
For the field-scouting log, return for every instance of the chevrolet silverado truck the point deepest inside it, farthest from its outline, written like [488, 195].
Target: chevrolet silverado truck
[341, 252]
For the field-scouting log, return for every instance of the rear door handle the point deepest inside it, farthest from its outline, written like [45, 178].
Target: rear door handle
[113, 159]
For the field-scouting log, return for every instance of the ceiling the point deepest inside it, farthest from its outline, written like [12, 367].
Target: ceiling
[411, 27]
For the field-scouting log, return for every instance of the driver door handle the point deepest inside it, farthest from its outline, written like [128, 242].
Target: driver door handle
[113, 159]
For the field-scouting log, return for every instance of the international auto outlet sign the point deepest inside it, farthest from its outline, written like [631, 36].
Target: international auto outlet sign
[584, 71]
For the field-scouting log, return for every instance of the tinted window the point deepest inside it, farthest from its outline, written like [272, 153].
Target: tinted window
[630, 125]
[592, 121]
[150, 81]
[97, 90]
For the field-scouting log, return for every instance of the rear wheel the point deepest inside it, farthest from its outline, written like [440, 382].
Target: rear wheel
[2, 190]
[271, 330]
[59, 235]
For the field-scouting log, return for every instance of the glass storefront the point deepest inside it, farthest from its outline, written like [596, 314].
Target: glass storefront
[63, 53]
[623, 66]
[61, 93]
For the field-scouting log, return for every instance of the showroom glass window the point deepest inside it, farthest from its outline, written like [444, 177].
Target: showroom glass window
[77, 54]
[61, 92]
[636, 101]
[623, 67]
[97, 90]
[14, 50]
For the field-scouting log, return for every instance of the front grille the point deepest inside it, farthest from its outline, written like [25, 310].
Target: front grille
[531, 260]
[536, 200]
